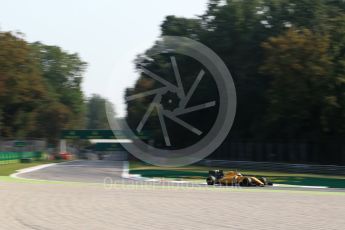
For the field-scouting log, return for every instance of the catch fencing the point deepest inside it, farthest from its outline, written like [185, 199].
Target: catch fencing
[327, 152]
[276, 167]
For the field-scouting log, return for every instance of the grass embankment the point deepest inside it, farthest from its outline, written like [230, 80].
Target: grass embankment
[8, 169]
[199, 173]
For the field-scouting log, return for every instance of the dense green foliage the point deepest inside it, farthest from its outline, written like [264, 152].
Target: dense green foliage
[40, 89]
[96, 113]
[287, 59]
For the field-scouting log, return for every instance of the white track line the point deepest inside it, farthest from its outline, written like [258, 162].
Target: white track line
[297, 186]
[31, 169]
[126, 175]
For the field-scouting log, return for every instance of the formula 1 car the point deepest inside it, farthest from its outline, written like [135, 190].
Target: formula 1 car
[235, 178]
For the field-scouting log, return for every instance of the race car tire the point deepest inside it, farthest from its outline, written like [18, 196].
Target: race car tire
[246, 182]
[211, 180]
[264, 180]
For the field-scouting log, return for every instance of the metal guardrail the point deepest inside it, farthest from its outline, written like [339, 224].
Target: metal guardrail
[278, 167]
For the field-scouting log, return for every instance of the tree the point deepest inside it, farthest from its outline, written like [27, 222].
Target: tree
[236, 31]
[40, 89]
[96, 112]
[302, 97]
[62, 73]
[52, 118]
[22, 89]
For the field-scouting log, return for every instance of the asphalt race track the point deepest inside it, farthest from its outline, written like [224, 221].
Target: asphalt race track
[111, 172]
[30, 204]
[79, 171]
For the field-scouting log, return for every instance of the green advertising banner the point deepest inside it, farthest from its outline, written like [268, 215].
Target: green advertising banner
[15, 156]
[20, 144]
[107, 147]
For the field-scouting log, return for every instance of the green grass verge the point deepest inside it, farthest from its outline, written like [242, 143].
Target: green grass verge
[199, 173]
[8, 169]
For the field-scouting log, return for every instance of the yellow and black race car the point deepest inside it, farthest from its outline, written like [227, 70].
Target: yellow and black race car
[235, 178]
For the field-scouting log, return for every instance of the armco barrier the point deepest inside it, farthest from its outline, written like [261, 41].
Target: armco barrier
[12, 157]
[277, 167]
